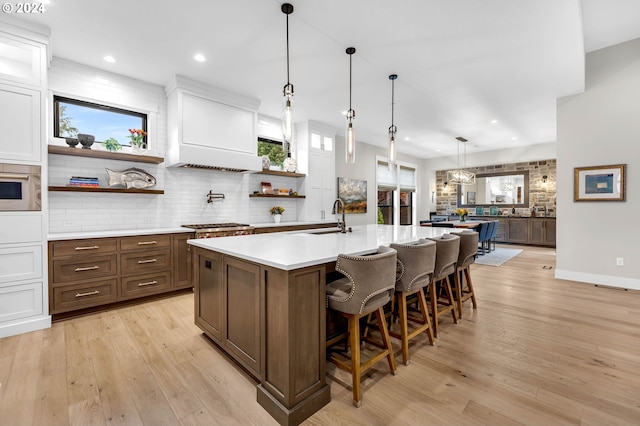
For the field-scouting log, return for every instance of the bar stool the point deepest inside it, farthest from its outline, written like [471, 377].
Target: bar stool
[447, 247]
[466, 256]
[367, 287]
[415, 271]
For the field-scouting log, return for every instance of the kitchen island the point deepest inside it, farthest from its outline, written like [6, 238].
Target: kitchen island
[261, 298]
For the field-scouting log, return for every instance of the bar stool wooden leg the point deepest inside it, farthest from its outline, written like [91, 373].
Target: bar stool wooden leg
[467, 275]
[458, 285]
[404, 327]
[434, 307]
[425, 315]
[354, 339]
[447, 287]
[384, 332]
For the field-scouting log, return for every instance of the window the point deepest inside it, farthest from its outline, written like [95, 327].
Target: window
[272, 149]
[396, 187]
[72, 116]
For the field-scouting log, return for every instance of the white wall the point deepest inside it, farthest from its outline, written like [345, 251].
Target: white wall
[601, 127]
[365, 168]
[184, 200]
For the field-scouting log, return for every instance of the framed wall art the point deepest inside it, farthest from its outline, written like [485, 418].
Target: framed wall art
[599, 183]
[354, 194]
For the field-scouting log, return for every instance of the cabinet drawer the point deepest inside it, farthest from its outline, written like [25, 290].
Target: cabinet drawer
[145, 262]
[83, 247]
[144, 242]
[84, 295]
[67, 270]
[20, 301]
[143, 285]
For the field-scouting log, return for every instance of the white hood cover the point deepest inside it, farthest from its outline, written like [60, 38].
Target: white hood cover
[211, 128]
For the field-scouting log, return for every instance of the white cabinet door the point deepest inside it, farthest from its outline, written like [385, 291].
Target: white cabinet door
[20, 301]
[217, 125]
[20, 124]
[21, 61]
[20, 263]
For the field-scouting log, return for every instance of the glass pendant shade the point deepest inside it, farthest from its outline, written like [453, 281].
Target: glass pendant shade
[350, 145]
[287, 117]
[392, 146]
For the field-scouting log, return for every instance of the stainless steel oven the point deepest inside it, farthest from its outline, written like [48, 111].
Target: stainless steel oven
[20, 187]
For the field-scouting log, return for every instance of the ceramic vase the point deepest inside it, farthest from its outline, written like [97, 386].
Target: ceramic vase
[277, 217]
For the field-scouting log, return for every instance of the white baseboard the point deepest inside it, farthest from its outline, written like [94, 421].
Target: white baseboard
[25, 326]
[629, 283]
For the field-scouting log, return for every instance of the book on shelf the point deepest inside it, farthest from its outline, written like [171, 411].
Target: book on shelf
[83, 181]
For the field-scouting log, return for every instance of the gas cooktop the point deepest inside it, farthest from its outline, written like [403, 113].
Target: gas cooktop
[215, 225]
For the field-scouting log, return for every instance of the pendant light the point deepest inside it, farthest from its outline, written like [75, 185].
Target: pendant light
[350, 145]
[287, 91]
[392, 129]
[461, 176]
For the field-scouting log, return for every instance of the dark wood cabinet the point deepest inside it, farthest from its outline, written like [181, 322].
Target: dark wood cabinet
[542, 231]
[88, 273]
[518, 230]
[242, 312]
[209, 294]
[503, 224]
[182, 260]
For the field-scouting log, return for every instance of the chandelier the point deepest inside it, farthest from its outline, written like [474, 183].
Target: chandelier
[460, 176]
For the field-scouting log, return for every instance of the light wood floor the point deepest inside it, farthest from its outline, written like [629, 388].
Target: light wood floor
[538, 351]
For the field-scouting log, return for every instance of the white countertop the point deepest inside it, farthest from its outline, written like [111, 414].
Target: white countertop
[273, 224]
[116, 233]
[293, 250]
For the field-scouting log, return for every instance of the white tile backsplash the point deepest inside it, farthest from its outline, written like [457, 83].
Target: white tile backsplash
[185, 190]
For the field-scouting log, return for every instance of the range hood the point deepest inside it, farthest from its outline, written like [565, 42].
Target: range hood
[211, 128]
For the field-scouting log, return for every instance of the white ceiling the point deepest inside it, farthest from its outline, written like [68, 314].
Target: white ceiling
[461, 63]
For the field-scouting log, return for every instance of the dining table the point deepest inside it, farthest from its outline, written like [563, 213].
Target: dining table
[468, 224]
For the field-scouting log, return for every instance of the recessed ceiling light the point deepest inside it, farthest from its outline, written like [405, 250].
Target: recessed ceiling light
[407, 138]
[343, 112]
[494, 121]
[514, 139]
[199, 57]
[110, 59]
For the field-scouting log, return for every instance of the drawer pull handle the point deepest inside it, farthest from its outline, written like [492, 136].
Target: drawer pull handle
[147, 261]
[89, 268]
[154, 282]
[90, 293]
[87, 248]
[146, 243]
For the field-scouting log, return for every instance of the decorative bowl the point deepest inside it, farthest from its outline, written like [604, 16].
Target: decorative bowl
[72, 142]
[86, 140]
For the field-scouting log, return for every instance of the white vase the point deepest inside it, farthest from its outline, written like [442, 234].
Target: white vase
[276, 218]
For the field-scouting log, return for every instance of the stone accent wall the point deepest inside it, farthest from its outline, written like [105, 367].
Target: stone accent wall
[540, 193]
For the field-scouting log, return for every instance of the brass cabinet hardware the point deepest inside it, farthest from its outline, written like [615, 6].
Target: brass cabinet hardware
[90, 293]
[144, 243]
[147, 261]
[87, 248]
[90, 268]
[147, 283]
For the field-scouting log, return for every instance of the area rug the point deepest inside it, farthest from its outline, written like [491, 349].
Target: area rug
[498, 256]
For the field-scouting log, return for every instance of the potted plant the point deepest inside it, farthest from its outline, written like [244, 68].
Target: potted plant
[112, 144]
[137, 137]
[276, 212]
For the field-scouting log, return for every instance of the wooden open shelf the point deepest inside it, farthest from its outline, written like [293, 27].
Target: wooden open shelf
[101, 189]
[275, 196]
[280, 173]
[122, 156]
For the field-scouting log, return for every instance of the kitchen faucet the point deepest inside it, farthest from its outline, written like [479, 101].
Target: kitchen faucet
[341, 224]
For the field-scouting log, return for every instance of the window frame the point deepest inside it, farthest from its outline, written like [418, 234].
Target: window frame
[101, 107]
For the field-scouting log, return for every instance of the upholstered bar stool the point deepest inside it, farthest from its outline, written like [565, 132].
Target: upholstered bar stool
[415, 271]
[447, 247]
[367, 287]
[466, 256]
